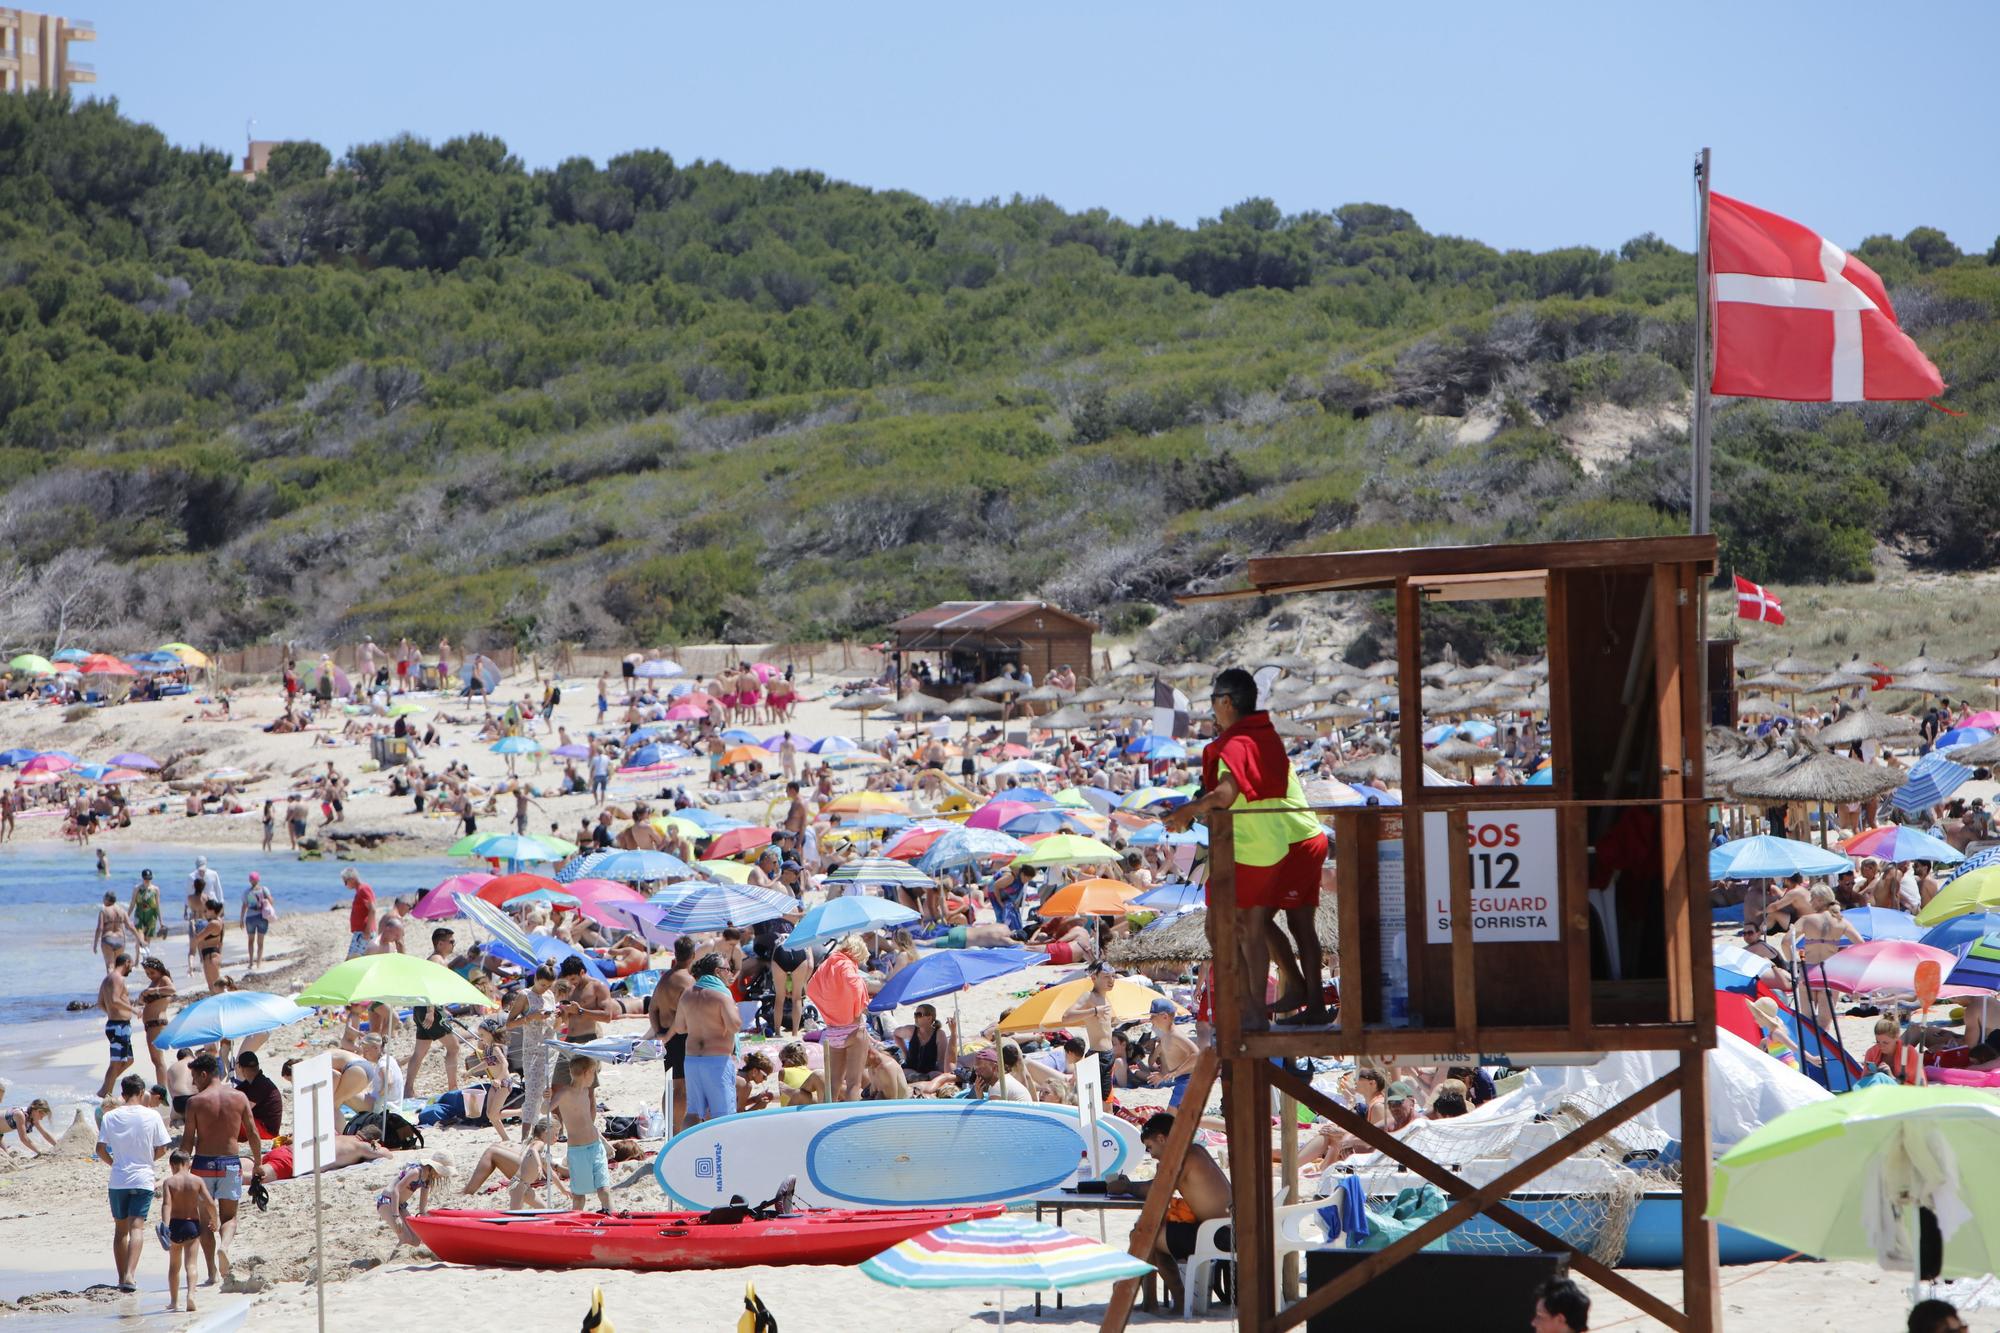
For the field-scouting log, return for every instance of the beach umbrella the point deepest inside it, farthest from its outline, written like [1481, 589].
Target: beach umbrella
[913, 843]
[1090, 897]
[880, 872]
[947, 972]
[832, 745]
[1733, 957]
[553, 897]
[227, 1016]
[728, 872]
[639, 867]
[737, 840]
[441, 901]
[134, 760]
[1066, 849]
[596, 896]
[963, 846]
[745, 754]
[1923, 682]
[548, 949]
[571, 751]
[998, 811]
[479, 672]
[1050, 819]
[1045, 1008]
[1173, 896]
[1022, 768]
[18, 755]
[696, 906]
[122, 775]
[1147, 798]
[1978, 963]
[1976, 861]
[187, 653]
[657, 668]
[496, 923]
[1899, 842]
[1985, 717]
[1010, 1253]
[1883, 965]
[1154, 835]
[41, 779]
[876, 823]
[311, 675]
[225, 774]
[641, 918]
[393, 978]
[739, 736]
[32, 664]
[1865, 724]
[103, 664]
[1842, 1178]
[515, 745]
[1886, 923]
[407, 708]
[1974, 892]
[502, 888]
[1766, 857]
[1921, 664]
[866, 803]
[1968, 928]
[48, 763]
[709, 820]
[849, 915]
[1962, 736]
[1930, 780]
[1157, 747]
[516, 847]
[1381, 769]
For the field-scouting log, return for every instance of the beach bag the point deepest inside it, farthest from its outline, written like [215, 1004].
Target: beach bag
[624, 1127]
[398, 1134]
[267, 907]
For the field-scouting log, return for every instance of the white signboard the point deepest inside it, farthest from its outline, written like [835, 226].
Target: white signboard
[1090, 1106]
[1515, 893]
[314, 1119]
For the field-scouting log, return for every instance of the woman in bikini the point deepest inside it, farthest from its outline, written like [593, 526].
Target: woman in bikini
[208, 944]
[114, 930]
[20, 1119]
[1815, 937]
[153, 1002]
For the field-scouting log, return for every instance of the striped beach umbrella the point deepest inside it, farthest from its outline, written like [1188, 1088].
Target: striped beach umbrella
[1976, 861]
[961, 847]
[1931, 779]
[879, 872]
[1010, 1253]
[696, 906]
[638, 867]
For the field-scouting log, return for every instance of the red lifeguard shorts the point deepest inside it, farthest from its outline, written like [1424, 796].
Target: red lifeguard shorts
[1292, 882]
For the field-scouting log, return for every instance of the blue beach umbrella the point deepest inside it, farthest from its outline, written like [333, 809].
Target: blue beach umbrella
[1976, 861]
[554, 897]
[1053, 819]
[1155, 835]
[14, 757]
[657, 668]
[1157, 747]
[228, 1016]
[947, 972]
[881, 872]
[517, 847]
[963, 846]
[1886, 923]
[1031, 795]
[1958, 736]
[831, 745]
[1766, 857]
[1173, 896]
[697, 906]
[849, 915]
[1931, 779]
[549, 949]
[69, 655]
[640, 867]
[1959, 931]
[1541, 777]
[496, 923]
[515, 745]
[881, 822]
[707, 819]
[1978, 964]
[738, 736]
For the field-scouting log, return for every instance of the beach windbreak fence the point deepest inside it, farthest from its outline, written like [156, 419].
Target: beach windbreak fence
[809, 659]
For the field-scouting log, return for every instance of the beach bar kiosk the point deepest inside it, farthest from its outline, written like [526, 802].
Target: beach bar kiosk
[1562, 921]
[976, 641]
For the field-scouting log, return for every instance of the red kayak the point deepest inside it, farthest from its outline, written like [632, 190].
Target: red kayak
[673, 1241]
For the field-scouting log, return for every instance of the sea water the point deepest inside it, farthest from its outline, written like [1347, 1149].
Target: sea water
[49, 896]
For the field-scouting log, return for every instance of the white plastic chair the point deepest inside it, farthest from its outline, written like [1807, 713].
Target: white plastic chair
[1200, 1266]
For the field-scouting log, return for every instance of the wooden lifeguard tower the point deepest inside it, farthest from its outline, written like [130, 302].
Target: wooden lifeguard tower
[1524, 920]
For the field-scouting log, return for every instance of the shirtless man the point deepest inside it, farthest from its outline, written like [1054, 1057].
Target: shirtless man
[114, 933]
[218, 1120]
[575, 1105]
[798, 821]
[1174, 1054]
[1200, 1195]
[1093, 1011]
[586, 1000]
[708, 1016]
[114, 997]
[661, 1007]
[434, 1025]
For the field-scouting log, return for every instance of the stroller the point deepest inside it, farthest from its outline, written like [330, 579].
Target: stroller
[765, 996]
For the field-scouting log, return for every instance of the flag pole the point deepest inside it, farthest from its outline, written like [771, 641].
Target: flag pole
[1699, 426]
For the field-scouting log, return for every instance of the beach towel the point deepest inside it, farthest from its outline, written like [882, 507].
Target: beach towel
[1347, 1214]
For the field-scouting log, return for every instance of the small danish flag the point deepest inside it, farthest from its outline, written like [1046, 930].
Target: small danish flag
[1755, 602]
[1797, 317]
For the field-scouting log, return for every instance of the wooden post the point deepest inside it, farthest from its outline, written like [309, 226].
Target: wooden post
[1288, 1174]
[1700, 1297]
[1225, 930]
[1246, 1110]
[1464, 981]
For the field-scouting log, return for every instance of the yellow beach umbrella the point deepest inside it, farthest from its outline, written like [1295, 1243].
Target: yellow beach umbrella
[1045, 1009]
[188, 653]
[735, 872]
[866, 803]
[1067, 849]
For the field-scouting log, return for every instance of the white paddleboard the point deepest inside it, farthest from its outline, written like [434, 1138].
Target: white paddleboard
[892, 1154]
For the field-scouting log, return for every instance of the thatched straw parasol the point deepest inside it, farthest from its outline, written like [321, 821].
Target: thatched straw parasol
[1924, 682]
[1293, 729]
[1819, 778]
[1438, 670]
[1921, 665]
[1047, 694]
[1377, 770]
[1458, 750]
[1382, 670]
[998, 688]
[1865, 724]
[971, 706]
[1375, 690]
[1518, 679]
[1184, 939]
[1745, 662]
[859, 703]
[1439, 700]
[915, 704]
[1988, 670]
[1287, 661]
[1485, 671]
[1335, 713]
[1982, 755]
[1097, 694]
[1188, 671]
[1796, 666]
[1138, 666]
[1063, 719]
[1836, 680]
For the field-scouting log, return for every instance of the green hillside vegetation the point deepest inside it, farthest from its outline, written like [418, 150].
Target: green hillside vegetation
[421, 389]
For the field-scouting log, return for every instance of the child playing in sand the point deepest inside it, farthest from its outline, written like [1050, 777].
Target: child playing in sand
[21, 1119]
[417, 1179]
[189, 1210]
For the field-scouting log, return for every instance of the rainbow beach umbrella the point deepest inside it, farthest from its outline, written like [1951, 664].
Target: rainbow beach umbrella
[1006, 1252]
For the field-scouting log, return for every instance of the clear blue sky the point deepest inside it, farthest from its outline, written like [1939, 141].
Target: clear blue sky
[1532, 124]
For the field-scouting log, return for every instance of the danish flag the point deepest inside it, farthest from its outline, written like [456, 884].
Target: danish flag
[1755, 602]
[1797, 317]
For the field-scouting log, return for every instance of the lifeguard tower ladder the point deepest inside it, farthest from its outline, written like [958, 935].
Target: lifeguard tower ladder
[1619, 960]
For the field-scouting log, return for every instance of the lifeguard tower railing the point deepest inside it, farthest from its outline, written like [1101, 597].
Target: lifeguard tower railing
[1558, 921]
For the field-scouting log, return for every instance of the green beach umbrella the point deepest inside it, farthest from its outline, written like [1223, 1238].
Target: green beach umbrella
[406, 708]
[1975, 891]
[32, 663]
[1844, 1178]
[1067, 849]
[393, 978]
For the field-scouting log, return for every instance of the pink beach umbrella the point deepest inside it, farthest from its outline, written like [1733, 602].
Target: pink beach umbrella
[595, 897]
[685, 713]
[438, 904]
[46, 763]
[1883, 965]
[995, 814]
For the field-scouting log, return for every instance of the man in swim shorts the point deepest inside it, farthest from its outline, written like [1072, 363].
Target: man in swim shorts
[219, 1118]
[576, 1106]
[662, 1007]
[707, 1014]
[114, 997]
